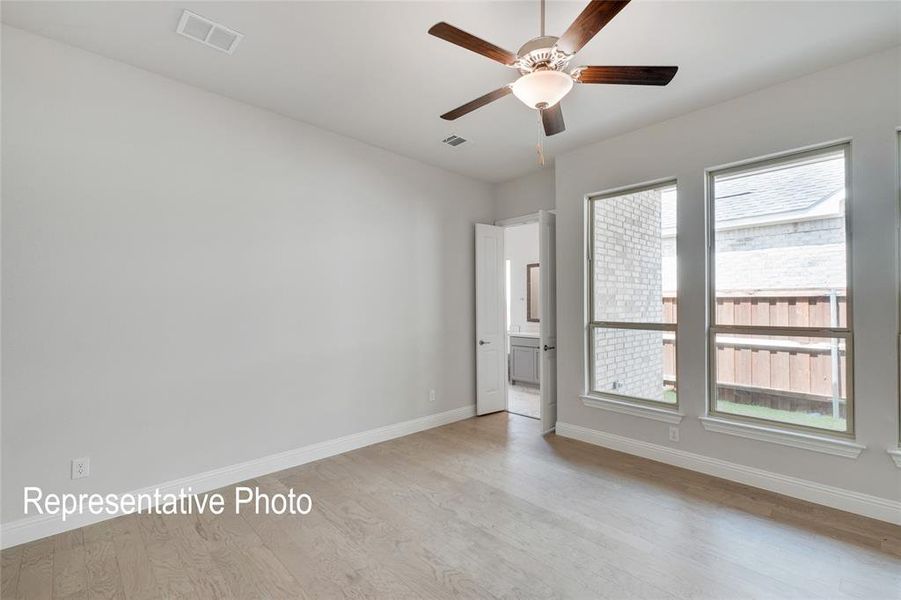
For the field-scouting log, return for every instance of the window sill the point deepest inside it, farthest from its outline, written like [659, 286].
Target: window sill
[634, 409]
[895, 453]
[784, 437]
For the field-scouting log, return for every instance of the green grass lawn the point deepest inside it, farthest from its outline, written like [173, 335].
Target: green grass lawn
[782, 416]
[771, 414]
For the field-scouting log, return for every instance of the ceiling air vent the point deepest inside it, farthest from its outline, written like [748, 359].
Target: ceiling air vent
[453, 140]
[200, 29]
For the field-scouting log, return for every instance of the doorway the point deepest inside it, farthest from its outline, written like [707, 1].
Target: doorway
[516, 318]
[522, 271]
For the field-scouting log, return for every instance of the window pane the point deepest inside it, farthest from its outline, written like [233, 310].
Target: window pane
[796, 380]
[637, 363]
[634, 263]
[780, 244]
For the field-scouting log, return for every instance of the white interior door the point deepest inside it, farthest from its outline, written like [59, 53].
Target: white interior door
[547, 307]
[491, 355]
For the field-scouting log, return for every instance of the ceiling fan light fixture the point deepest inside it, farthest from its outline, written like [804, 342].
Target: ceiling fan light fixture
[543, 88]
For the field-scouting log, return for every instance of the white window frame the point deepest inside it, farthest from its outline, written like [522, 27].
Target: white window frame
[713, 329]
[611, 401]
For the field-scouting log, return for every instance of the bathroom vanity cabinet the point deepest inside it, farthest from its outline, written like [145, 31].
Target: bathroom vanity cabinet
[524, 356]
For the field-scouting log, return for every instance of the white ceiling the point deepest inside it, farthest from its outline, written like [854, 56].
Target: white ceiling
[370, 71]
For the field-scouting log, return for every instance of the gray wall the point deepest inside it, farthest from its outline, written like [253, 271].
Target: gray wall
[189, 282]
[858, 100]
[525, 195]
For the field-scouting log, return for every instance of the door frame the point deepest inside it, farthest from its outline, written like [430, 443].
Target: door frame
[505, 223]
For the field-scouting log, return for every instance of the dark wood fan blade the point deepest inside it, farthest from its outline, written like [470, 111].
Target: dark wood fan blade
[552, 119]
[597, 14]
[459, 37]
[477, 103]
[625, 75]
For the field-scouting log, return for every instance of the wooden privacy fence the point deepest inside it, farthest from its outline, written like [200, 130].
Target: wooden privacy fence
[793, 373]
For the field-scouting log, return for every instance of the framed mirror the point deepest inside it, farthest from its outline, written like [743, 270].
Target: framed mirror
[532, 292]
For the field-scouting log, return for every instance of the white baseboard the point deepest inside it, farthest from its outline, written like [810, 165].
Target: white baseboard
[842, 499]
[40, 526]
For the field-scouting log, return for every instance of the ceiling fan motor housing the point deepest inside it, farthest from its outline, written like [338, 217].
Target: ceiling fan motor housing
[540, 53]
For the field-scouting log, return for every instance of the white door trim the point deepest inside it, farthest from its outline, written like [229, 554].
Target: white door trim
[522, 220]
[514, 221]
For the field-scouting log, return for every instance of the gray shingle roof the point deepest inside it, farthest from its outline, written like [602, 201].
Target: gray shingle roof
[774, 191]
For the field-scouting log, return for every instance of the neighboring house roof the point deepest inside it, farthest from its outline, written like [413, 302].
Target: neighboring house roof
[769, 194]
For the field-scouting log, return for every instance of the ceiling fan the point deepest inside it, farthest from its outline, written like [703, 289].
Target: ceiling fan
[542, 63]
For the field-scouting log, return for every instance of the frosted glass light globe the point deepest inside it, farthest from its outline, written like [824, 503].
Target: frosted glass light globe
[543, 88]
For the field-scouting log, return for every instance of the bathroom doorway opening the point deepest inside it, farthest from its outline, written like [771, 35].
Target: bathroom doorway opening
[516, 317]
[522, 271]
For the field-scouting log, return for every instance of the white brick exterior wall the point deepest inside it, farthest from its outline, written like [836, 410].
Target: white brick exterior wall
[627, 267]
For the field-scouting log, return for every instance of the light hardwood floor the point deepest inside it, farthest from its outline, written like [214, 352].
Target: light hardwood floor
[524, 401]
[479, 509]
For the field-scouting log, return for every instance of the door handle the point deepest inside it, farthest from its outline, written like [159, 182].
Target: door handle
[483, 342]
[546, 347]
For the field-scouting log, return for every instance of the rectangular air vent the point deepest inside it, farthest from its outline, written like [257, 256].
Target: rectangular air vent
[209, 33]
[453, 140]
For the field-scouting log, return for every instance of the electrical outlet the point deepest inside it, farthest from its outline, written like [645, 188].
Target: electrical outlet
[431, 395]
[81, 467]
[673, 433]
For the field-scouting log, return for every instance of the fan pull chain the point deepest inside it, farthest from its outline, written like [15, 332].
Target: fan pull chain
[539, 147]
